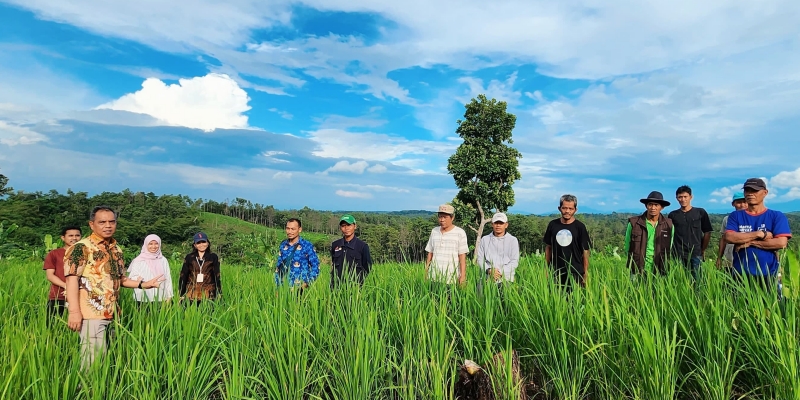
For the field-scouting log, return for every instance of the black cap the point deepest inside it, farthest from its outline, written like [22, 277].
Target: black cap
[755, 184]
[655, 197]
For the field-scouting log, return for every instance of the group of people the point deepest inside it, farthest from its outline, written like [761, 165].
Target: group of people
[87, 273]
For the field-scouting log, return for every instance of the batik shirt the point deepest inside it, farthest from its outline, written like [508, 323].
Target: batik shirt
[300, 267]
[100, 269]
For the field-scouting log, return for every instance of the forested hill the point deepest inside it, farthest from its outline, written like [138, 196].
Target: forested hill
[391, 235]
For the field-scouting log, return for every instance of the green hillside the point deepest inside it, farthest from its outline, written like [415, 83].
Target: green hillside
[218, 225]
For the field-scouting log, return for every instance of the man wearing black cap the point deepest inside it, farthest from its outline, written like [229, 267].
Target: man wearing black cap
[648, 238]
[757, 234]
[349, 255]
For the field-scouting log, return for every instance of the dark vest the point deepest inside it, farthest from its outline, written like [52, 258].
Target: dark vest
[638, 245]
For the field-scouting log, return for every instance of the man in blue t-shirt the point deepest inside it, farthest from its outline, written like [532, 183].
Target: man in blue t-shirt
[757, 234]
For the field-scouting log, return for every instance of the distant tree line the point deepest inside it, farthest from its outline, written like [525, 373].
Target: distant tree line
[396, 236]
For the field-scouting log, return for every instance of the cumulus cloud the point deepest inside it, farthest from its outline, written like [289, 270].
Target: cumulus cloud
[208, 102]
[786, 179]
[282, 175]
[353, 195]
[13, 135]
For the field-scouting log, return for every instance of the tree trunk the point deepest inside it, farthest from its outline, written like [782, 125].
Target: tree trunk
[479, 231]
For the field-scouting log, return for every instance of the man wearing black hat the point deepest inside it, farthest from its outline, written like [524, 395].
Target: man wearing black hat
[757, 234]
[349, 255]
[648, 238]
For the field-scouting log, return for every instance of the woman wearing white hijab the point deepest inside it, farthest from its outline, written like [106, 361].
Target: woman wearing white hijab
[149, 264]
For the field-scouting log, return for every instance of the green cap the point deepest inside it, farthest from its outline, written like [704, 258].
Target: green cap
[348, 218]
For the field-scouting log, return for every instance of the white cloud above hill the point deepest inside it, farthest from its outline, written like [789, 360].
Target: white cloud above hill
[208, 102]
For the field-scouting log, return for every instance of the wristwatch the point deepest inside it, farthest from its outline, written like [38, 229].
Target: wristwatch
[140, 283]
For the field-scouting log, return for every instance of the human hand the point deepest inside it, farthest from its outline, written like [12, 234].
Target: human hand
[741, 246]
[496, 274]
[462, 281]
[768, 235]
[75, 320]
[153, 283]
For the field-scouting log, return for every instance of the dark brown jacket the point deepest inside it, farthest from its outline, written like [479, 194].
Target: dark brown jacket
[638, 244]
[210, 288]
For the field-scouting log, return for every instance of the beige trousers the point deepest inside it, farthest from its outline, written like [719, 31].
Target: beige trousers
[95, 336]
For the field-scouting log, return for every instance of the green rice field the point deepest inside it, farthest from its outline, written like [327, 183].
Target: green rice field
[398, 337]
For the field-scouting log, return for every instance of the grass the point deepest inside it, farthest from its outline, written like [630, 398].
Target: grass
[400, 338]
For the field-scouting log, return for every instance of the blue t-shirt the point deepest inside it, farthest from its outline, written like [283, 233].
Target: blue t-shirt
[752, 260]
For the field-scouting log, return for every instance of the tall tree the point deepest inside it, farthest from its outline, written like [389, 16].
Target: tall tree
[484, 166]
[4, 190]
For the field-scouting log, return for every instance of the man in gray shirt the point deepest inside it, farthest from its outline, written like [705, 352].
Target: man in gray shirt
[498, 252]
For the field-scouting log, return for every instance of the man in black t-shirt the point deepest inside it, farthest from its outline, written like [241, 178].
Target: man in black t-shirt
[692, 231]
[567, 244]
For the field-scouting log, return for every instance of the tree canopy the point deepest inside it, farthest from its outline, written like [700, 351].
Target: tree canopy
[485, 166]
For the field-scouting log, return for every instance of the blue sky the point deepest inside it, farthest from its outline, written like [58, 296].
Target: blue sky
[353, 105]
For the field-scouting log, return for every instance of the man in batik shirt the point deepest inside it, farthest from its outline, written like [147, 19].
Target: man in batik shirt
[94, 271]
[296, 258]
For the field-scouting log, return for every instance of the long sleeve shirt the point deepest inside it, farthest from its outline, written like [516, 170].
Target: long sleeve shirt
[141, 270]
[192, 285]
[299, 261]
[500, 252]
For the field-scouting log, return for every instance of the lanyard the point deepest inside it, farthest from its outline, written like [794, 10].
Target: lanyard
[200, 263]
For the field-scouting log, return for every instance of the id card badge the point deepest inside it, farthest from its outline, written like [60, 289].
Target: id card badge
[199, 278]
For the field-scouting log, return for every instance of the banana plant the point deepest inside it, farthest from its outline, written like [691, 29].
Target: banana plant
[50, 244]
[5, 232]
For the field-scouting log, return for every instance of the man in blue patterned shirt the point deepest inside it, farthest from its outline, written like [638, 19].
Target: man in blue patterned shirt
[296, 257]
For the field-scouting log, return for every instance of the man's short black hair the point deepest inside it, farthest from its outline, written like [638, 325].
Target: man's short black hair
[71, 228]
[101, 208]
[299, 224]
[684, 189]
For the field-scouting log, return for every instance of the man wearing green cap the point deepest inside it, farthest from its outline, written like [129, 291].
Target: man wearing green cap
[725, 253]
[349, 255]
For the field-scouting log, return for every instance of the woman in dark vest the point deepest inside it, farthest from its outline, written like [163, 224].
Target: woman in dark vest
[649, 236]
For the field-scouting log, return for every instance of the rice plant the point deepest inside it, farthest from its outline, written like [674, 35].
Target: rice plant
[402, 337]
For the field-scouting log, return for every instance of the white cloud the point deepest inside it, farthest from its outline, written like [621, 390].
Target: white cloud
[357, 167]
[377, 169]
[577, 39]
[282, 175]
[786, 179]
[500, 90]
[283, 114]
[209, 102]
[353, 195]
[376, 188]
[727, 192]
[13, 135]
[337, 143]
[272, 156]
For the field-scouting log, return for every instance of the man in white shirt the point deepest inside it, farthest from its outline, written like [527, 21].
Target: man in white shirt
[447, 250]
[498, 252]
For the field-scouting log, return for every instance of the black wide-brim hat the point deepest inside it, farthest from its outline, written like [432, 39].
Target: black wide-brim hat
[655, 197]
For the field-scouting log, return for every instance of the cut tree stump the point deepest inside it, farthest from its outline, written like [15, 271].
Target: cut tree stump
[475, 382]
